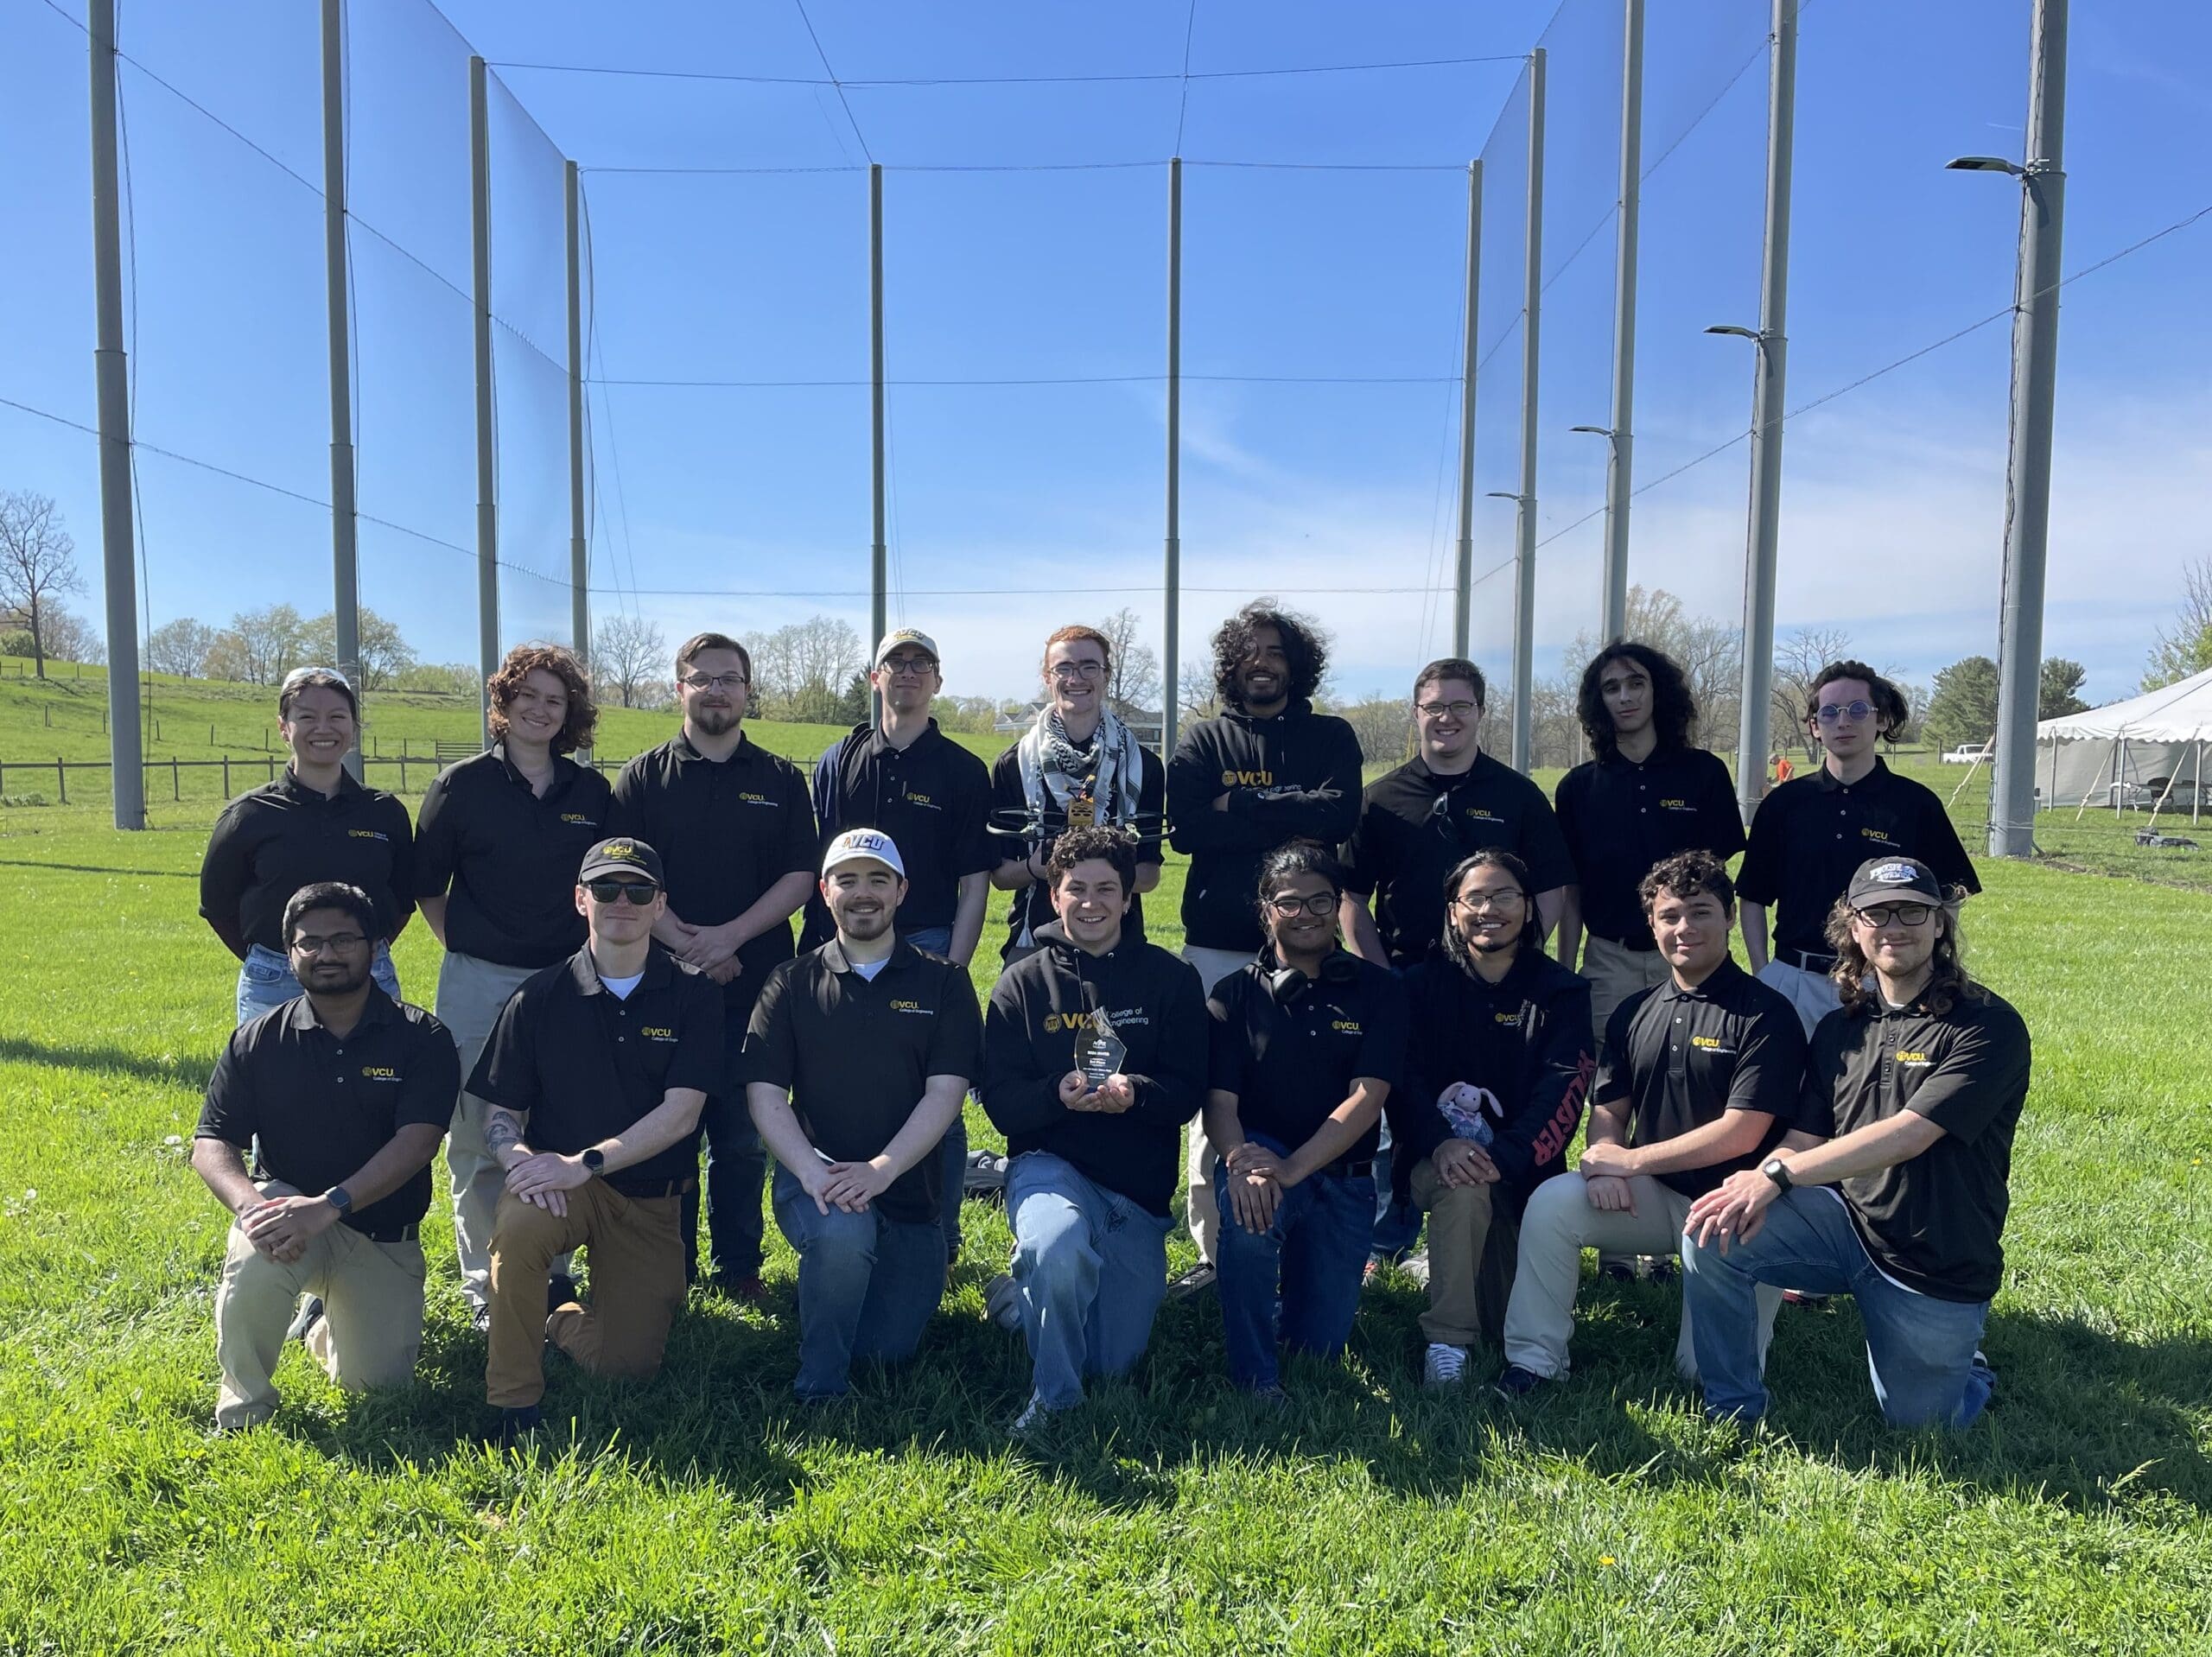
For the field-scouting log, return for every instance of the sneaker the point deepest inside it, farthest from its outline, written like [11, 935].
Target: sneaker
[1517, 1383]
[309, 1314]
[561, 1291]
[1002, 1302]
[1270, 1397]
[1660, 1268]
[1443, 1365]
[519, 1427]
[480, 1319]
[1417, 1267]
[1798, 1297]
[749, 1289]
[1035, 1420]
[984, 1174]
[1197, 1279]
[1617, 1269]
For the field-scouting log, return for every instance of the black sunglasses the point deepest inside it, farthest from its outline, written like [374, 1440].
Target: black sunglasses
[639, 892]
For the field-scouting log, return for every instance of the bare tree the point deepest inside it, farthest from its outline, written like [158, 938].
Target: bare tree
[1195, 696]
[1134, 684]
[384, 652]
[1383, 723]
[70, 638]
[180, 647]
[2185, 648]
[1709, 652]
[38, 564]
[1799, 654]
[260, 646]
[628, 654]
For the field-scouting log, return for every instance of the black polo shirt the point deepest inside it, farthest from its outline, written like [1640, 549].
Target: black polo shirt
[1680, 1058]
[1415, 826]
[284, 835]
[931, 796]
[726, 831]
[1936, 1222]
[585, 1063]
[856, 1053]
[1291, 1057]
[1620, 816]
[322, 1105]
[509, 856]
[1811, 833]
[1032, 904]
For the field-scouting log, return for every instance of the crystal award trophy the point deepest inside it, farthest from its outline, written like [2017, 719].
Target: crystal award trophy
[1098, 1051]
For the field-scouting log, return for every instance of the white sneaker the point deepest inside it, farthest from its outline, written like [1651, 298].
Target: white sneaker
[1035, 1419]
[1444, 1366]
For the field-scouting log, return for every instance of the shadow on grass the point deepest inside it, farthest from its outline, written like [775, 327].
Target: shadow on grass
[169, 1072]
[98, 868]
[2082, 1418]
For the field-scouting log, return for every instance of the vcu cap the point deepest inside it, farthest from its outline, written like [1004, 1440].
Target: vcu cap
[1893, 879]
[621, 855]
[913, 635]
[858, 845]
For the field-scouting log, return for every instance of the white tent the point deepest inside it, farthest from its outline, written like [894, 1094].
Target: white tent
[2149, 750]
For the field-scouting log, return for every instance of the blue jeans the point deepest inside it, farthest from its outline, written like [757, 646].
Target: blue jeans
[265, 980]
[1092, 1269]
[1397, 1225]
[953, 1148]
[736, 1168]
[867, 1285]
[1303, 1269]
[1921, 1352]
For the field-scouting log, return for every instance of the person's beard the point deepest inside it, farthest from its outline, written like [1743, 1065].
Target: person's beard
[319, 982]
[714, 721]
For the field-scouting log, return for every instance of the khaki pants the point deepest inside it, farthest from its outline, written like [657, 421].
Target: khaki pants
[637, 1286]
[372, 1324]
[470, 994]
[1471, 1244]
[1813, 993]
[1617, 972]
[1559, 1224]
[1199, 1208]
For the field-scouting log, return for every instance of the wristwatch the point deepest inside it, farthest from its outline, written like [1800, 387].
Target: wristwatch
[340, 1198]
[1778, 1171]
[595, 1160]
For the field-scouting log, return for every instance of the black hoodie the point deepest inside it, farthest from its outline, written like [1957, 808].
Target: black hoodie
[1158, 1009]
[1526, 1037]
[1294, 776]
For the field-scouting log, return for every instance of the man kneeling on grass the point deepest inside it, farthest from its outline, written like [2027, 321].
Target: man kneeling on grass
[603, 1062]
[1697, 1079]
[1094, 1058]
[1912, 1093]
[1308, 1041]
[348, 1093]
[858, 1059]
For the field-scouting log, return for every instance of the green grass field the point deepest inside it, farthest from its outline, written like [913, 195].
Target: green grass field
[708, 1512]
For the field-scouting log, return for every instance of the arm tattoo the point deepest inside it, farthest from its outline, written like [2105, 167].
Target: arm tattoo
[502, 1129]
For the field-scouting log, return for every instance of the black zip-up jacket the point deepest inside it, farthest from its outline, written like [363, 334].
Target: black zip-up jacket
[1159, 1010]
[1294, 776]
[1527, 1038]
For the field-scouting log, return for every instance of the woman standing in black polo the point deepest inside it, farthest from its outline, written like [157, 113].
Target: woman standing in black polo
[313, 824]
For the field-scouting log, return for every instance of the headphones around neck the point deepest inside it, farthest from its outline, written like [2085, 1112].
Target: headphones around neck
[1287, 984]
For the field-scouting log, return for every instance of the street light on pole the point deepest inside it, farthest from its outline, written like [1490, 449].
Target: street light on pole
[1612, 620]
[2027, 471]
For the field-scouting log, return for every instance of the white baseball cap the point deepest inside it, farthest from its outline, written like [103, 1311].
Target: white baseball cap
[913, 635]
[859, 845]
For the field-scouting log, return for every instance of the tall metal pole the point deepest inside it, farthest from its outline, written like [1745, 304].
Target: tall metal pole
[579, 546]
[118, 575]
[1463, 591]
[1173, 594]
[1524, 564]
[487, 511]
[1766, 417]
[879, 557]
[345, 567]
[1620, 453]
[2035, 375]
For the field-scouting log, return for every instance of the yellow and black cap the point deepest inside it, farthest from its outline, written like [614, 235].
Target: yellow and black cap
[621, 855]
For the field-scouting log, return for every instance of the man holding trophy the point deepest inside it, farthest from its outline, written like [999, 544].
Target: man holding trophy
[1094, 1058]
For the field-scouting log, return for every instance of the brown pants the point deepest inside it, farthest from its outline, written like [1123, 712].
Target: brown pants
[1472, 1249]
[637, 1286]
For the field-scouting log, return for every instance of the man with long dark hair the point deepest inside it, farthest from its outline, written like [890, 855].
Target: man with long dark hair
[1646, 796]
[1267, 770]
[1813, 831]
[1913, 1093]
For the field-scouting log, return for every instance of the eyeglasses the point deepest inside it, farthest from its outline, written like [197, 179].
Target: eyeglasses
[714, 681]
[1290, 907]
[1440, 709]
[1504, 902]
[342, 943]
[639, 892]
[1830, 711]
[1079, 671]
[908, 664]
[1894, 915]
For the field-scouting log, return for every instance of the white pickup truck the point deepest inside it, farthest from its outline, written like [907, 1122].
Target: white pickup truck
[1967, 754]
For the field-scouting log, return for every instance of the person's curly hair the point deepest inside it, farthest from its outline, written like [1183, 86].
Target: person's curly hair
[559, 661]
[1854, 974]
[1099, 844]
[1305, 649]
[1674, 709]
[1686, 875]
[1890, 708]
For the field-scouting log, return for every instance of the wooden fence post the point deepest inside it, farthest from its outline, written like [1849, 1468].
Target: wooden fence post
[62, 779]
[176, 786]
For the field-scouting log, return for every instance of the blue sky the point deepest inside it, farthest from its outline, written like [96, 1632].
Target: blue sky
[1019, 507]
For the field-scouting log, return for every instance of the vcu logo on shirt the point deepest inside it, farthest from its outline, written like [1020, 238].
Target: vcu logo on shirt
[1871, 833]
[1915, 1058]
[1673, 805]
[1345, 1026]
[1710, 1045]
[922, 800]
[1481, 813]
[750, 796]
[578, 816]
[379, 1073]
[657, 1032]
[366, 834]
[1247, 778]
[1510, 1020]
[902, 1005]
